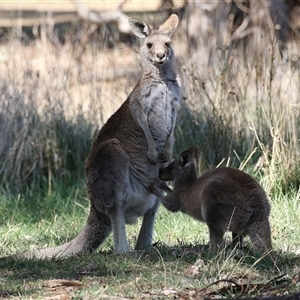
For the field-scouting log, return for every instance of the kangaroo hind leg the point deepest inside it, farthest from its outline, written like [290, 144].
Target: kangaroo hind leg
[119, 229]
[145, 238]
[108, 188]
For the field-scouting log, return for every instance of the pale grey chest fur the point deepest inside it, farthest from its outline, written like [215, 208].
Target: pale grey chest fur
[159, 101]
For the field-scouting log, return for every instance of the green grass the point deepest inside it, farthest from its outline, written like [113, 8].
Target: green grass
[178, 264]
[241, 107]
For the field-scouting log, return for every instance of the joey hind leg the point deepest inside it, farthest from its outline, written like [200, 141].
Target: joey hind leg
[145, 238]
[260, 235]
[216, 240]
[237, 240]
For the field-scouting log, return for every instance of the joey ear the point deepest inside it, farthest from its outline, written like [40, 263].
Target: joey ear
[139, 28]
[169, 26]
[188, 155]
[194, 150]
[185, 157]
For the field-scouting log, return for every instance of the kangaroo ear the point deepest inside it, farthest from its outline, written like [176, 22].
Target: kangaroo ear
[194, 150]
[139, 28]
[169, 26]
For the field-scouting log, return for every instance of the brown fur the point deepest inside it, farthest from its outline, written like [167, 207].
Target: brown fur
[226, 199]
[129, 150]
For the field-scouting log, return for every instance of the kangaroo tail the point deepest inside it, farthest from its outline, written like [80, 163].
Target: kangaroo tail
[94, 233]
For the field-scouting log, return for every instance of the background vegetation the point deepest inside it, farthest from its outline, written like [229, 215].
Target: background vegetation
[241, 107]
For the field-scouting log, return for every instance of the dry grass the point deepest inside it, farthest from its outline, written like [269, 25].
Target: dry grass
[244, 103]
[53, 104]
[239, 101]
[55, 5]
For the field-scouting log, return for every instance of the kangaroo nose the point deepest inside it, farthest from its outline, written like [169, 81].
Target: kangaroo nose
[160, 56]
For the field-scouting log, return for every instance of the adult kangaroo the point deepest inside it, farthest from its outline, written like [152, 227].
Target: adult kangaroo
[226, 199]
[129, 151]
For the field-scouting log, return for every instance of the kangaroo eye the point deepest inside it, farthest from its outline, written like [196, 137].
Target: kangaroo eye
[167, 44]
[149, 45]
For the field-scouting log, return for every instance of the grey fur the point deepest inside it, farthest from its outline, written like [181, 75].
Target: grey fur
[129, 150]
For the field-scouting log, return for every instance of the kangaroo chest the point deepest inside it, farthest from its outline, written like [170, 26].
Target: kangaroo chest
[161, 102]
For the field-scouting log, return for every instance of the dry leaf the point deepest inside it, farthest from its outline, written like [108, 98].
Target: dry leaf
[194, 270]
[168, 292]
[58, 297]
[61, 283]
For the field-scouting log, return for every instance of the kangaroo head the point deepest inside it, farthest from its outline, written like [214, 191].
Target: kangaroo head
[156, 48]
[186, 160]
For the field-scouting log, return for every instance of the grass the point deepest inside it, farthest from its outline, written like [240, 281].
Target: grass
[178, 265]
[241, 108]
